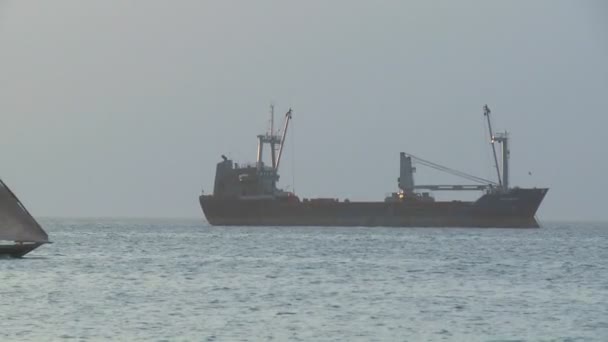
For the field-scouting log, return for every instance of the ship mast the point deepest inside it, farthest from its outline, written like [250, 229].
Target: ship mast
[503, 139]
[275, 140]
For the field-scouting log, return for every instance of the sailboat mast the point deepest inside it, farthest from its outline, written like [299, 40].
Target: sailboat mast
[486, 113]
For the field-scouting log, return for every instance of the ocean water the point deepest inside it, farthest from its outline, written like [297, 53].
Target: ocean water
[179, 280]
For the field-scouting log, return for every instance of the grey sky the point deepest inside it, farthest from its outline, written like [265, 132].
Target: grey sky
[122, 108]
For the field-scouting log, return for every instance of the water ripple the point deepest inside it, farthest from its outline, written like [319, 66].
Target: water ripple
[141, 280]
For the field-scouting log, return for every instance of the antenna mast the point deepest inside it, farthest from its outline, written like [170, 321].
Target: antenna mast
[271, 119]
[272, 141]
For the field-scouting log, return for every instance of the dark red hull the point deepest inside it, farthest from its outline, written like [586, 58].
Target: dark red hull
[515, 209]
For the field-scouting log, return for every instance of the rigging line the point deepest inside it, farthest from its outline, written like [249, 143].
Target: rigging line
[458, 174]
[455, 172]
[451, 171]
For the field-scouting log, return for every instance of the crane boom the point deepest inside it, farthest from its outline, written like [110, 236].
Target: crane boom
[287, 119]
[486, 113]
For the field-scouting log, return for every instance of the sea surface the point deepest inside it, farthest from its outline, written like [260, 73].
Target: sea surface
[182, 280]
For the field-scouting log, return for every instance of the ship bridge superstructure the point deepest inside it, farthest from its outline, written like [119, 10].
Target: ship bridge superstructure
[257, 179]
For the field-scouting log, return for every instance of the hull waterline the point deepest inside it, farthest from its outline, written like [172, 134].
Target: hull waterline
[18, 250]
[516, 210]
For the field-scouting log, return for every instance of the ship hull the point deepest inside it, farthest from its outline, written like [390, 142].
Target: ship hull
[515, 209]
[17, 250]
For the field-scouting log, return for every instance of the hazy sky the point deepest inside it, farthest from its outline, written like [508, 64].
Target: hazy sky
[122, 108]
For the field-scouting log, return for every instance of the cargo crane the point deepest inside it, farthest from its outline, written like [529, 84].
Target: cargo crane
[503, 139]
[406, 179]
[276, 140]
[285, 127]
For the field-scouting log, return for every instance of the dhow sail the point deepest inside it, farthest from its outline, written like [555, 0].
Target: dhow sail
[16, 223]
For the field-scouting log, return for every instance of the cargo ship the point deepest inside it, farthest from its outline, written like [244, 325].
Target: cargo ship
[247, 195]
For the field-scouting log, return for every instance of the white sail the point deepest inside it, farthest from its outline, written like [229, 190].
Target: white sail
[16, 223]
